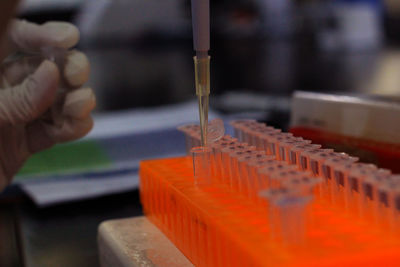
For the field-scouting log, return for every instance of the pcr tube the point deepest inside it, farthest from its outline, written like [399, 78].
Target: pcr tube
[278, 178]
[235, 172]
[317, 159]
[278, 140]
[239, 127]
[217, 155]
[186, 130]
[252, 181]
[337, 168]
[225, 160]
[266, 174]
[342, 182]
[325, 169]
[304, 158]
[389, 203]
[273, 141]
[369, 191]
[304, 182]
[266, 140]
[263, 174]
[261, 141]
[356, 176]
[254, 134]
[287, 214]
[244, 169]
[285, 147]
[195, 138]
[247, 135]
[201, 165]
[232, 165]
[294, 156]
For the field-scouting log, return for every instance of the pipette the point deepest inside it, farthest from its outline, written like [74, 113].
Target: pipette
[201, 43]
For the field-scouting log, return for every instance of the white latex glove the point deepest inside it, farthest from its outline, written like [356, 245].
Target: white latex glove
[26, 94]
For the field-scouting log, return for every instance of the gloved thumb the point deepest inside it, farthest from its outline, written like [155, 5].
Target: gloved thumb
[30, 99]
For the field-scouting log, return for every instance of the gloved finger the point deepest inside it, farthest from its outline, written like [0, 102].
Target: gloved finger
[38, 138]
[30, 99]
[79, 103]
[14, 72]
[31, 38]
[41, 135]
[76, 68]
[72, 129]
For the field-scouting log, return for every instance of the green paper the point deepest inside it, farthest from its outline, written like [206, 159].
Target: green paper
[79, 156]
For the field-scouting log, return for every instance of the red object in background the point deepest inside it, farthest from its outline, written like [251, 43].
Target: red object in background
[384, 155]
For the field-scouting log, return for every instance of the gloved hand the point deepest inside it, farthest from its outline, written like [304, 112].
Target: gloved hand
[27, 94]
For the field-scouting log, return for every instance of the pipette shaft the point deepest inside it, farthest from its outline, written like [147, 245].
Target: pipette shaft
[201, 43]
[202, 77]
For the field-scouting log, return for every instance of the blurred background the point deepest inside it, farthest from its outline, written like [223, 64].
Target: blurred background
[141, 56]
[141, 51]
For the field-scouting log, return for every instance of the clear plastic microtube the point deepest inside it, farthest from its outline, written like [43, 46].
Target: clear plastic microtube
[335, 187]
[247, 135]
[225, 160]
[262, 174]
[304, 182]
[261, 137]
[285, 148]
[266, 140]
[217, 155]
[317, 159]
[369, 192]
[239, 126]
[287, 214]
[244, 170]
[252, 181]
[227, 138]
[267, 173]
[294, 156]
[235, 171]
[256, 132]
[341, 177]
[356, 176]
[235, 175]
[201, 165]
[278, 178]
[304, 159]
[187, 131]
[277, 140]
[273, 142]
[389, 204]
[195, 138]
[230, 155]
[326, 170]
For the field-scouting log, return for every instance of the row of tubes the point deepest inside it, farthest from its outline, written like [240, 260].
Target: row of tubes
[260, 177]
[265, 162]
[362, 189]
